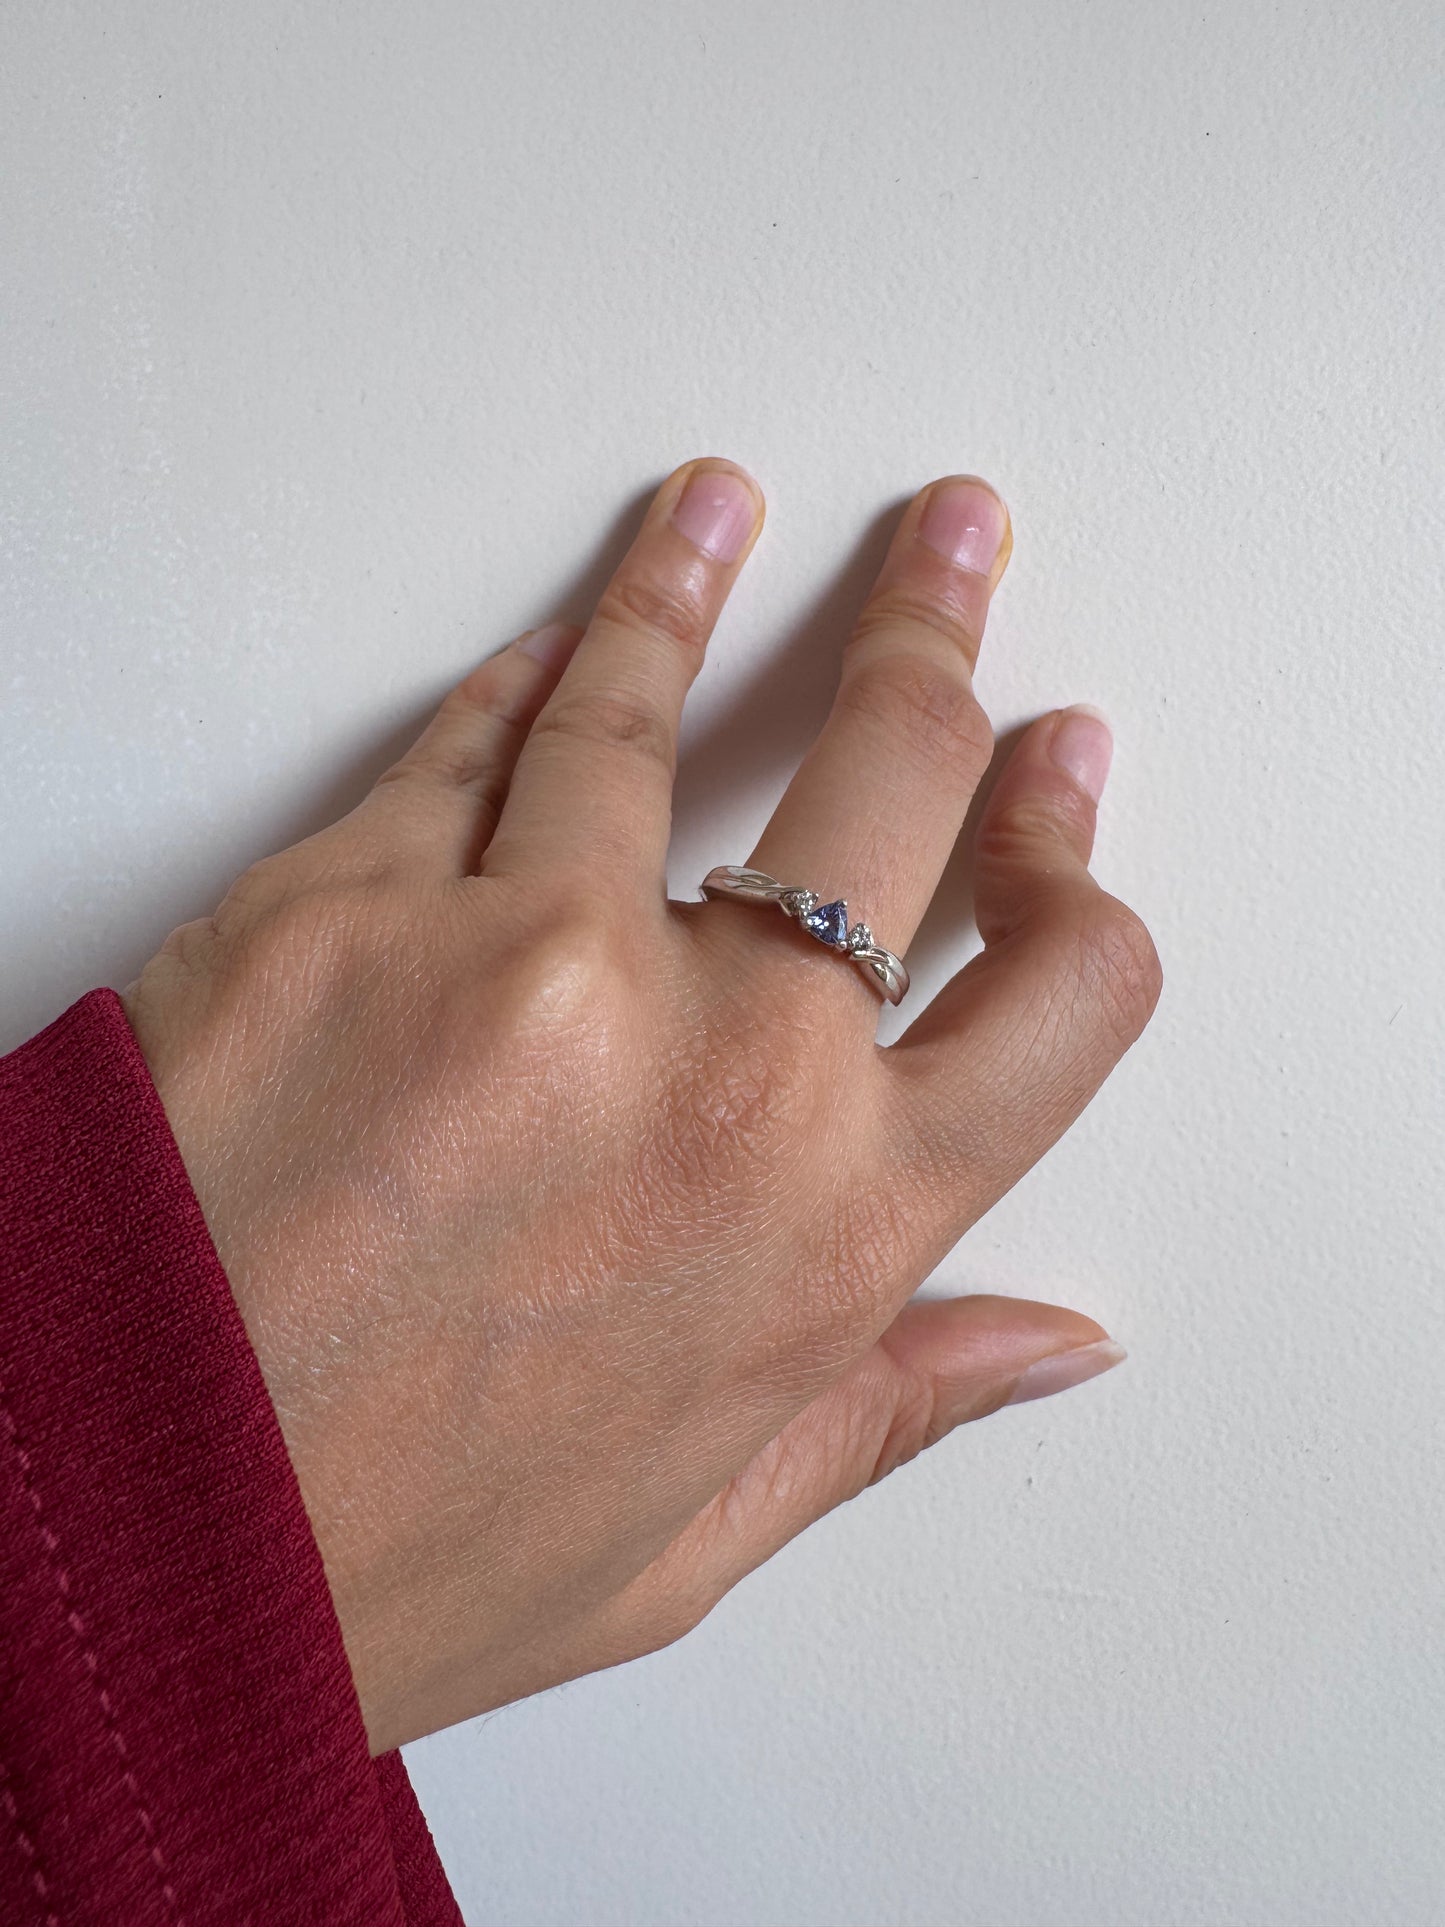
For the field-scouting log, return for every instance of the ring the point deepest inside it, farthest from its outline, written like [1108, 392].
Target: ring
[828, 922]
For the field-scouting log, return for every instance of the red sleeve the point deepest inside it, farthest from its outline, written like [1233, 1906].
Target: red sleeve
[180, 1740]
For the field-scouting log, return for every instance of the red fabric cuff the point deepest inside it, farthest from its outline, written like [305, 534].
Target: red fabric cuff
[180, 1739]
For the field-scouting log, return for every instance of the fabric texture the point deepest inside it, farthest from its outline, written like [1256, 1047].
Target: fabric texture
[180, 1739]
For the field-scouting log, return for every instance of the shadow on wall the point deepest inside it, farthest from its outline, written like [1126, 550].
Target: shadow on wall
[755, 742]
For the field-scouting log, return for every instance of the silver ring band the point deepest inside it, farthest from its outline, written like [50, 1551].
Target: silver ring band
[828, 922]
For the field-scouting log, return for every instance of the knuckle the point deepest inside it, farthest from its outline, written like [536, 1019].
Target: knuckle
[259, 888]
[1017, 830]
[336, 861]
[559, 996]
[902, 606]
[490, 690]
[192, 948]
[460, 748]
[285, 954]
[919, 703]
[415, 766]
[310, 897]
[1119, 966]
[659, 608]
[911, 1427]
[454, 765]
[610, 722]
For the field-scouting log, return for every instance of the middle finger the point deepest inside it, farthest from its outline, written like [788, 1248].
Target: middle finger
[877, 804]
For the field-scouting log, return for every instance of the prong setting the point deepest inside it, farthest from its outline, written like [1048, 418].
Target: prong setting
[827, 923]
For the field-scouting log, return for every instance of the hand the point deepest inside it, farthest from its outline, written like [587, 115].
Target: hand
[575, 1229]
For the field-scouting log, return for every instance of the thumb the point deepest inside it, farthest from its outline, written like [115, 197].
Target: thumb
[941, 1363]
[962, 1358]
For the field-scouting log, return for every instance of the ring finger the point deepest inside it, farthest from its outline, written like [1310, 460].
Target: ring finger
[877, 804]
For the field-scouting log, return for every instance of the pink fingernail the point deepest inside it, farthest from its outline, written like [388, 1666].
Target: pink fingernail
[965, 521]
[553, 645]
[1056, 1374]
[1083, 745]
[717, 511]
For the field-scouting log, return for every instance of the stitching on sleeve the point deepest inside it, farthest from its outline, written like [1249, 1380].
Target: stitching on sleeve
[73, 1620]
[27, 1847]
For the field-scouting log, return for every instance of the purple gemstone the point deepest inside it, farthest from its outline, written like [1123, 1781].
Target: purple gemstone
[829, 923]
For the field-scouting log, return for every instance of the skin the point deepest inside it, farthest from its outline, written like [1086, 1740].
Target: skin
[576, 1289]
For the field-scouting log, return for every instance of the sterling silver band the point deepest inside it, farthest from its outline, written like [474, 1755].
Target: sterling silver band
[828, 922]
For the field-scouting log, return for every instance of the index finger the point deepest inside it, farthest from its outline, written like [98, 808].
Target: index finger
[592, 790]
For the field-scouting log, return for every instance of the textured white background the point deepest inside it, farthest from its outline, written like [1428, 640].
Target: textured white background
[341, 342]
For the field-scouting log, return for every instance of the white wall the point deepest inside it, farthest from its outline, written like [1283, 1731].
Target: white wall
[344, 341]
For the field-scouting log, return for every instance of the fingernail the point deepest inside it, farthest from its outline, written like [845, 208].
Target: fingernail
[717, 511]
[1082, 745]
[553, 645]
[965, 521]
[1056, 1374]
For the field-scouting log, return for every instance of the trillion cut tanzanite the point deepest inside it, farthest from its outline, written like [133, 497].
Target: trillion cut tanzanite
[829, 923]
